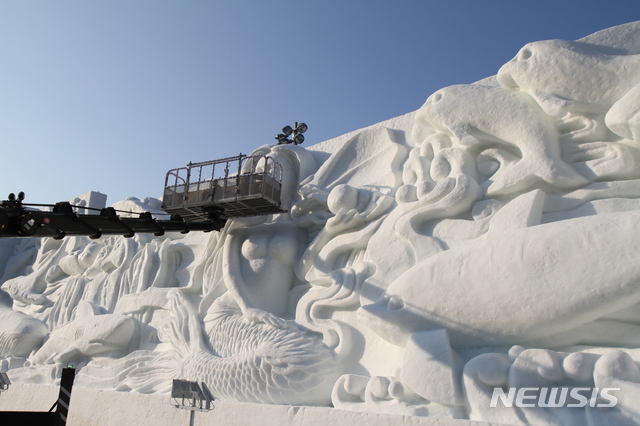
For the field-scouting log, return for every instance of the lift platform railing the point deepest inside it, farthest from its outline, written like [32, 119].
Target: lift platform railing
[235, 187]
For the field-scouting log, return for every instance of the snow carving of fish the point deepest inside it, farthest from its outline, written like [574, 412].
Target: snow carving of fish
[19, 333]
[89, 335]
[550, 284]
[488, 119]
[565, 75]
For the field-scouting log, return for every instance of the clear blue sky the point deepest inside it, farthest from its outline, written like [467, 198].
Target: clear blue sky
[108, 95]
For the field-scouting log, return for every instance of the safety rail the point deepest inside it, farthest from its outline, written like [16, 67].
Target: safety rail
[211, 188]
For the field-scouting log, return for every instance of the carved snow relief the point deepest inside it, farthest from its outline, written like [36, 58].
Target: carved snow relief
[475, 259]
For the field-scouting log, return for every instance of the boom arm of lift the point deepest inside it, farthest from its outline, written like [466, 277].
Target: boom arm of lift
[17, 221]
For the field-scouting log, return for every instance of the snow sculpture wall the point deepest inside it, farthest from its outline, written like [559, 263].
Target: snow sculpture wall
[486, 242]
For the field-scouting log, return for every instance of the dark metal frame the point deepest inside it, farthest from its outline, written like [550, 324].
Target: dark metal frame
[46, 418]
[17, 221]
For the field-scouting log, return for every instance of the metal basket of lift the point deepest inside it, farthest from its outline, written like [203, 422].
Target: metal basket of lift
[232, 187]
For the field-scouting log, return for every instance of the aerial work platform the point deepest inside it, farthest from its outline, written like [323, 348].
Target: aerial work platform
[198, 197]
[230, 187]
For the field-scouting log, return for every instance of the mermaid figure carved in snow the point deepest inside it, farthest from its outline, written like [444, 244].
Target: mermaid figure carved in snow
[253, 353]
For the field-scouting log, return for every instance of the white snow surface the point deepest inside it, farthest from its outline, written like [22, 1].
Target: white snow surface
[485, 241]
